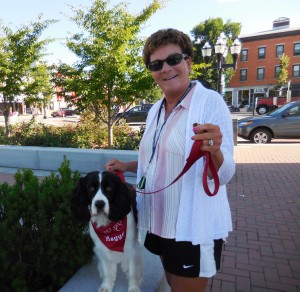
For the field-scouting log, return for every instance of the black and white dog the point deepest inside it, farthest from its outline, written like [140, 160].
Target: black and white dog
[108, 203]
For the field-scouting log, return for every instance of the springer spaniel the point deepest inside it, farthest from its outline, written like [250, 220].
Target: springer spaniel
[108, 203]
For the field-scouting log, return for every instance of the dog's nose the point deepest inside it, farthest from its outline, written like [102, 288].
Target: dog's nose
[100, 205]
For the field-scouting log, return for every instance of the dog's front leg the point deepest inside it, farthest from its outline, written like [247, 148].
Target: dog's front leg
[135, 271]
[108, 271]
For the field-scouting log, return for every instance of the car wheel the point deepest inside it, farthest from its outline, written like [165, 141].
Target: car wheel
[262, 110]
[261, 136]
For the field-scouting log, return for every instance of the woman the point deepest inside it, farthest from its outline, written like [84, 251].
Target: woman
[185, 227]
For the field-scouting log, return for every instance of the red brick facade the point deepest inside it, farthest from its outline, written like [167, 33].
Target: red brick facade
[267, 41]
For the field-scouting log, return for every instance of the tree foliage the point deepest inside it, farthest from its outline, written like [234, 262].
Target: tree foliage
[110, 71]
[284, 74]
[40, 86]
[209, 31]
[18, 51]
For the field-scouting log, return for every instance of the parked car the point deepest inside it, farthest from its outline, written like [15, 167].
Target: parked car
[63, 112]
[137, 114]
[282, 123]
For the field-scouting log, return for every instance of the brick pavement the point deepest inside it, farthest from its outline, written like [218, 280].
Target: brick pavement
[263, 251]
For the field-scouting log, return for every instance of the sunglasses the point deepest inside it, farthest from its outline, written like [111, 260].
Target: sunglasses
[172, 60]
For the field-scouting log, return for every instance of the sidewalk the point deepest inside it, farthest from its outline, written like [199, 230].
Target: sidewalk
[263, 251]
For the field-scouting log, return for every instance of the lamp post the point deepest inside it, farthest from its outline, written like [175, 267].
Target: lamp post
[221, 50]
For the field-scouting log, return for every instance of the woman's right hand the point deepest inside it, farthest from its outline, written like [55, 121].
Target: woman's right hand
[114, 165]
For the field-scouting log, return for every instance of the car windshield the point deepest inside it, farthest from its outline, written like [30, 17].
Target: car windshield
[279, 110]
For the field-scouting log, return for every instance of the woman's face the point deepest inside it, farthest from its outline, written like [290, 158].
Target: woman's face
[173, 80]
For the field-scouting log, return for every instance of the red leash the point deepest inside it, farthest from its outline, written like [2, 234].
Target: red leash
[120, 174]
[195, 154]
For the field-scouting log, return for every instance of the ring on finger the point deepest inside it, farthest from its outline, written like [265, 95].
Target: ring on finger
[211, 142]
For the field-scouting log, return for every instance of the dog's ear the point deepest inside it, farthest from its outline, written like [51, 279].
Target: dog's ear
[80, 201]
[121, 204]
[132, 194]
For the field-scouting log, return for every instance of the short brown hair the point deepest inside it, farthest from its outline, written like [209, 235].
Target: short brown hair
[165, 37]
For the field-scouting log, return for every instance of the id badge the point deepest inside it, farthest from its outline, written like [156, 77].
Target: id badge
[142, 183]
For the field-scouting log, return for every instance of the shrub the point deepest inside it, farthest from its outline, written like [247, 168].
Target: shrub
[41, 245]
[85, 134]
[39, 134]
[125, 138]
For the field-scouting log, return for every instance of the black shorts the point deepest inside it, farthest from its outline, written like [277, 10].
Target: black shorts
[181, 258]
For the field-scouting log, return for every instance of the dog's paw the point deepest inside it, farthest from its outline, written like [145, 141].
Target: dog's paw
[134, 289]
[104, 288]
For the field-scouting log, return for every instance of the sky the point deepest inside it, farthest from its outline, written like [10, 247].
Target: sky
[254, 16]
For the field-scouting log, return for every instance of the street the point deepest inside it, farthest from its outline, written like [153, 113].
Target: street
[59, 121]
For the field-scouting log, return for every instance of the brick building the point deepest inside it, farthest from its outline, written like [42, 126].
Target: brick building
[259, 64]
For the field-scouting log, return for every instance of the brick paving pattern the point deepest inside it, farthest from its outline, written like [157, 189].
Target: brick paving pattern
[263, 251]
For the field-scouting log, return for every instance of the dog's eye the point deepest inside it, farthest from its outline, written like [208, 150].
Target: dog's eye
[109, 189]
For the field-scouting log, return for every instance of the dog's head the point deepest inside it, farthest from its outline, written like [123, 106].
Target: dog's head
[101, 194]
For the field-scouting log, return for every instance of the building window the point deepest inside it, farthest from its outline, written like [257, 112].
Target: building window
[279, 51]
[277, 71]
[296, 70]
[261, 53]
[243, 75]
[297, 49]
[244, 55]
[260, 73]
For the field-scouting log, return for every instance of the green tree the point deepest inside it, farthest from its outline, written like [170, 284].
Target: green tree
[18, 51]
[209, 31]
[110, 71]
[39, 87]
[284, 74]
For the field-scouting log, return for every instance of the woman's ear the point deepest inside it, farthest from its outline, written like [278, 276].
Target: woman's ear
[189, 64]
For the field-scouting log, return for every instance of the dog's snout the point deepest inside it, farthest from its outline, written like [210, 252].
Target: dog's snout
[100, 204]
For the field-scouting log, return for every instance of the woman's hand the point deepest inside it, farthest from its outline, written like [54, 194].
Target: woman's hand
[211, 136]
[114, 165]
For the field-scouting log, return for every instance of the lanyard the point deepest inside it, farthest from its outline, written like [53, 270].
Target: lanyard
[155, 140]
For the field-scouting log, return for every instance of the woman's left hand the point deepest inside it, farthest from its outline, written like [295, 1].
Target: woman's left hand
[211, 136]
[212, 141]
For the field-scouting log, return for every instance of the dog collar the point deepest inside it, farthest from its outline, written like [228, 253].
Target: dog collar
[120, 175]
[113, 235]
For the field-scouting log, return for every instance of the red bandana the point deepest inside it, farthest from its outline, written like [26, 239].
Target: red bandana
[113, 235]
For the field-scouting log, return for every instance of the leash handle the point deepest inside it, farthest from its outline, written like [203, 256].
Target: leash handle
[210, 166]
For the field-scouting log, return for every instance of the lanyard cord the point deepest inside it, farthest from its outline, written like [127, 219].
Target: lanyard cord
[155, 141]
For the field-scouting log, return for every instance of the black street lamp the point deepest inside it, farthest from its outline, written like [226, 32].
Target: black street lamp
[221, 50]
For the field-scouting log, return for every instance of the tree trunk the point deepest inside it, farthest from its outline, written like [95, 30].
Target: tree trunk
[110, 135]
[6, 121]
[45, 111]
